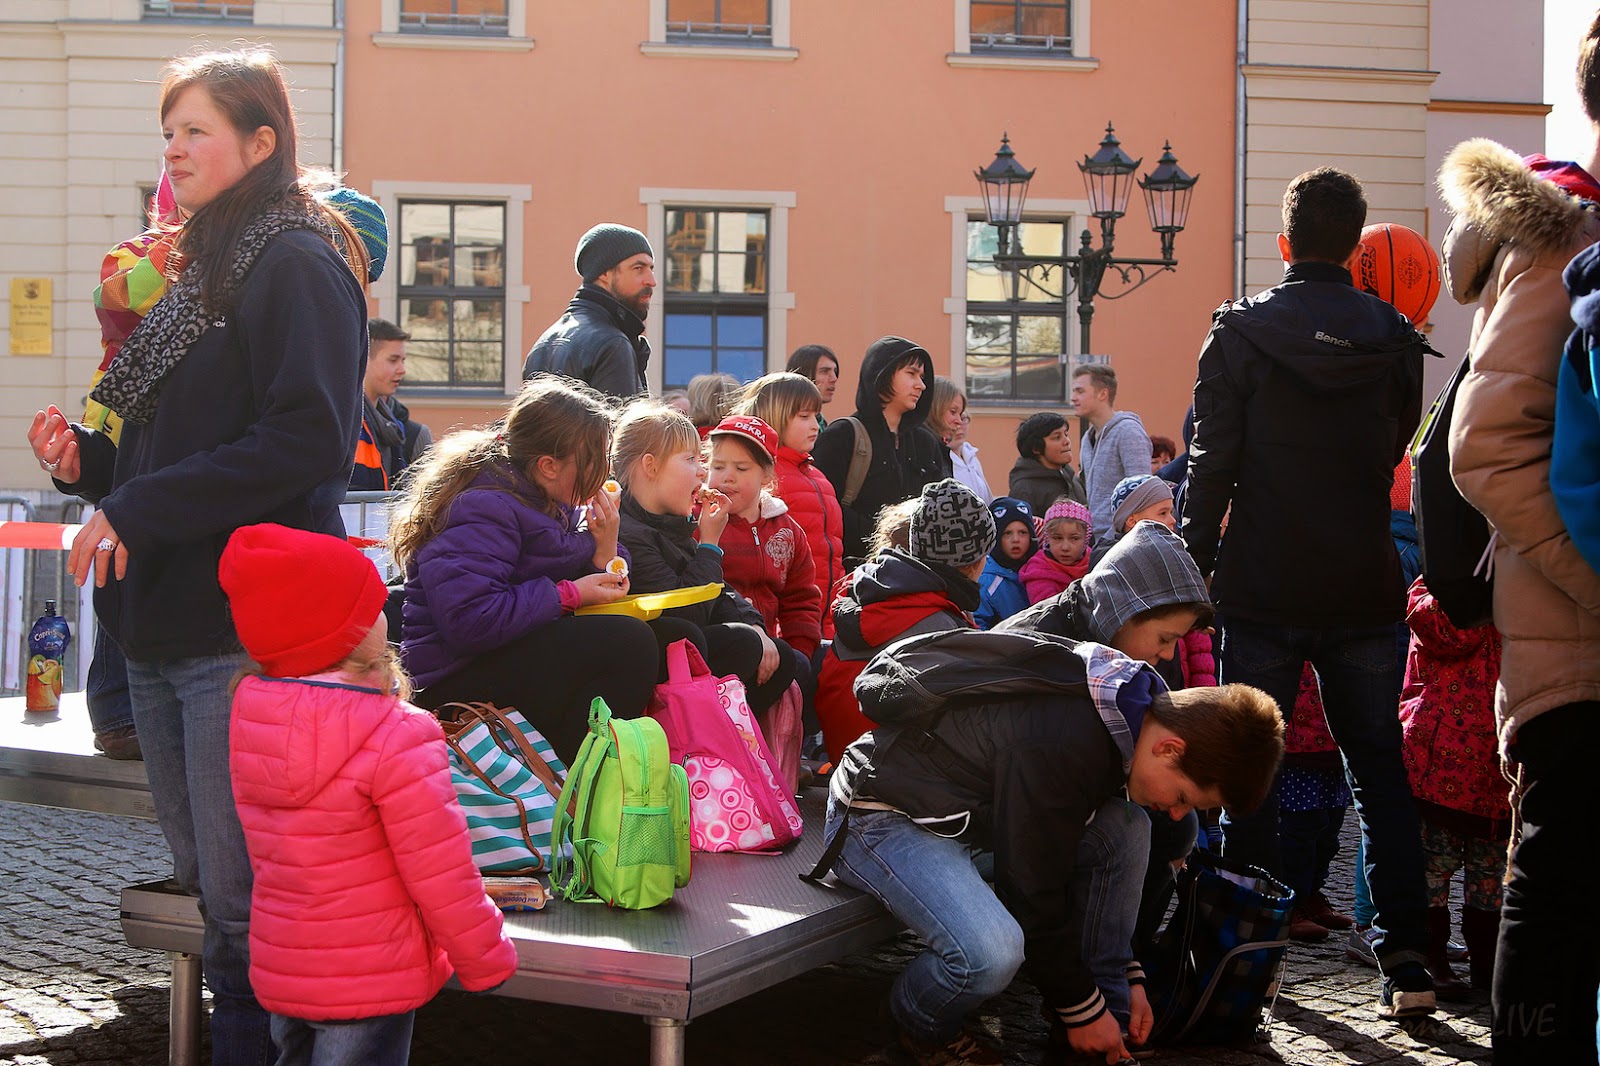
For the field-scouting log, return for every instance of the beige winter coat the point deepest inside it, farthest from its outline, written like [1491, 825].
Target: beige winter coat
[1513, 234]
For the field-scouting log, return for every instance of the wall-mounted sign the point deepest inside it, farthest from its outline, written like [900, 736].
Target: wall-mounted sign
[31, 311]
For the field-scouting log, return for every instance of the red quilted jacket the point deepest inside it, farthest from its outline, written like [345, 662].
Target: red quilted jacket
[770, 565]
[1447, 713]
[365, 894]
[814, 504]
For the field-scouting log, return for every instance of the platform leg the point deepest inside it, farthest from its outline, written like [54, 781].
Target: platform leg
[666, 1041]
[183, 1010]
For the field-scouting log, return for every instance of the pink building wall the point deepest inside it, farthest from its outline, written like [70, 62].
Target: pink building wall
[870, 127]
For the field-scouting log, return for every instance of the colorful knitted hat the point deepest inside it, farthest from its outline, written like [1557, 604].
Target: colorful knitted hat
[367, 219]
[1134, 494]
[951, 525]
[607, 245]
[301, 601]
[1071, 509]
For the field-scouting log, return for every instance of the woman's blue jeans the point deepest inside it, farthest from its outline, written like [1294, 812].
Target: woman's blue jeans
[181, 708]
[974, 945]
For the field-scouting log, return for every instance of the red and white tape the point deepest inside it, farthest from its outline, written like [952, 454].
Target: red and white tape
[58, 536]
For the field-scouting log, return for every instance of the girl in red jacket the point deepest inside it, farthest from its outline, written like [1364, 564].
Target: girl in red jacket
[366, 898]
[765, 554]
[789, 403]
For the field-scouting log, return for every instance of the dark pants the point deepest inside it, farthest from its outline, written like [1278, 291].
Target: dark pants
[1548, 963]
[734, 648]
[1360, 676]
[106, 689]
[1310, 840]
[552, 674]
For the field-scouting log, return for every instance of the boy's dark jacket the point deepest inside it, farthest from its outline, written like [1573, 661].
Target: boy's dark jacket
[1009, 742]
[901, 463]
[1312, 359]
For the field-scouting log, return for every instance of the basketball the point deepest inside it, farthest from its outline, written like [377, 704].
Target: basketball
[1400, 267]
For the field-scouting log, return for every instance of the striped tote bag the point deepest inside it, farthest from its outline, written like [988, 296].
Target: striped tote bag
[507, 778]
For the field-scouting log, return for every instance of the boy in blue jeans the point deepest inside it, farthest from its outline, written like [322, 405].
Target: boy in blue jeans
[1072, 729]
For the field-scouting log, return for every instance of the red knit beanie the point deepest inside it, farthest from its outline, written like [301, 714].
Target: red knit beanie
[301, 601]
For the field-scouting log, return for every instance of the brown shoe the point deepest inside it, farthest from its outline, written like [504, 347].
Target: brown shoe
[1303, 928]
[119, 743]
[1319, 910]
[964, 1050]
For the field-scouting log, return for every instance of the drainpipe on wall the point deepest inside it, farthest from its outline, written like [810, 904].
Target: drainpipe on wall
[1242, 54]
[338, 91]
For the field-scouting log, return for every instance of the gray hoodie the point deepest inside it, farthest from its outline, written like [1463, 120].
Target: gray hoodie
[1118, 449]
[1148, 568]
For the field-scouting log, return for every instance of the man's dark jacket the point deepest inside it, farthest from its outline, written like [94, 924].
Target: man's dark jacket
[597, 341]
[1306, 398]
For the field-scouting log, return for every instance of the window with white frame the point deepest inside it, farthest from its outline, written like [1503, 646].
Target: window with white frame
[201, 10]
[1017, 331]
[480, 17]
[714, 277]
[452, 291]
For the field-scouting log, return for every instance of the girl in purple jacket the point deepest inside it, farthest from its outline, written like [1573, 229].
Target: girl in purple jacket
[497, 562]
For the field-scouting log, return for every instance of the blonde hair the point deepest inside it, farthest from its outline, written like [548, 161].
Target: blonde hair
[710, 397]
[383, 671]
[944, 393]
[551, 416]
[649, 428]
[893, 529]
[777, 398]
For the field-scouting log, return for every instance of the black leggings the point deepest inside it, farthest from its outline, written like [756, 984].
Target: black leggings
[734, 648]
[552, 673]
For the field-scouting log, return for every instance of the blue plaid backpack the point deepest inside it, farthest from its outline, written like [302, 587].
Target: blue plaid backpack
[1213, 968]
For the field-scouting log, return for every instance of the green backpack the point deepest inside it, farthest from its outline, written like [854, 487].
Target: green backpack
[621, 832]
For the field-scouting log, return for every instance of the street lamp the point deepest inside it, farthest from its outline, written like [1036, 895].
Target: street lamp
[1108, 178]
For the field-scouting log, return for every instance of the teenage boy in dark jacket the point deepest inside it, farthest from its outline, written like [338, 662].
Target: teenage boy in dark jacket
[1028, 776]
[1315, 358]
[892, 402]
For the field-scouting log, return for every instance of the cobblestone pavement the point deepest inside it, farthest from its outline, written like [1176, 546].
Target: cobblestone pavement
[73, 994]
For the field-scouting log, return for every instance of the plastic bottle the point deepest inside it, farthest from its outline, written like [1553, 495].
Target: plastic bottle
[47, 647]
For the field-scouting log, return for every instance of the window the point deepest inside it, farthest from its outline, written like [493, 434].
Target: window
[209, 10]
[746, 22]
[452, 291]
[1023, 26]
[715, 284]
[486, 17]
[1016, 331]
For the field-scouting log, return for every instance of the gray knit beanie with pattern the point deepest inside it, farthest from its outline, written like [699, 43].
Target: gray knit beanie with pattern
[951, 525]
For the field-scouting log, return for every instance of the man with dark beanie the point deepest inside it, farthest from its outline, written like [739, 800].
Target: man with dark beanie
[599, 340]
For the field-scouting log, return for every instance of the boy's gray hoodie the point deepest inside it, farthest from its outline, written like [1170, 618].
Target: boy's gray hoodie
[1118, 449]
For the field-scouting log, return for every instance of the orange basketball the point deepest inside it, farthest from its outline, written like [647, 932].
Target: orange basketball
[1400, 267]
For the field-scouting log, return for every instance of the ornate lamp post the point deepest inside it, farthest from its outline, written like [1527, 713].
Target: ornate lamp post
[1108, 178]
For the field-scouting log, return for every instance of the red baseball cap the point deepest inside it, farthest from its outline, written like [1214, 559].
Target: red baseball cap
[751, 429]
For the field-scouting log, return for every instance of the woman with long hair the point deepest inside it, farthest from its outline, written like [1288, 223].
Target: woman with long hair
[240, 393]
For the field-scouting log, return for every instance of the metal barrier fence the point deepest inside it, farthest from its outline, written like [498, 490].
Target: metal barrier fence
[28, 577]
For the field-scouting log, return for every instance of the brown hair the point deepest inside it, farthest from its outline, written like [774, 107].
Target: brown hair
[649, 428]
[1100, 377]
[1160, 446]
[777, 398]
[248, 88]
[1323, 212]
[710, 397]
[1204, 614]
[1589, 71]
[1233, 739]
[909, 357]
[803, 360]
[551, 416]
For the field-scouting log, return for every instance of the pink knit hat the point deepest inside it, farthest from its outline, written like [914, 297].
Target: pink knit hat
[1069, 509]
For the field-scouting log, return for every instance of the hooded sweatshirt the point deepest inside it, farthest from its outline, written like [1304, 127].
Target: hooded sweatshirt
[902, 461]
[1312, 359]
[365, 897]
[1118, 449]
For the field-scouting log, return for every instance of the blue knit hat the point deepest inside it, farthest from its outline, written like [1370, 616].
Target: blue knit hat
[1134, 494]
[367, 219]
[607, 245]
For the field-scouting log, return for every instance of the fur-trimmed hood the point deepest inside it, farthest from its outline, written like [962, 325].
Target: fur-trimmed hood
[1498, 199]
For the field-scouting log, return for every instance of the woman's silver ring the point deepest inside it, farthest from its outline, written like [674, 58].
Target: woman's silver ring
[106, 544]
[48, 465]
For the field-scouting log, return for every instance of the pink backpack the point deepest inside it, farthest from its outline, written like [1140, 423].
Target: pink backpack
[736, 800]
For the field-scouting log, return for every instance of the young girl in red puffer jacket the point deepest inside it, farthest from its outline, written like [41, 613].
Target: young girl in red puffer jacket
[789, 404]
[366, 898]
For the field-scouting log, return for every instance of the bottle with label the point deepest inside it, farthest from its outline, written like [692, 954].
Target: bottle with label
[47, 648]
